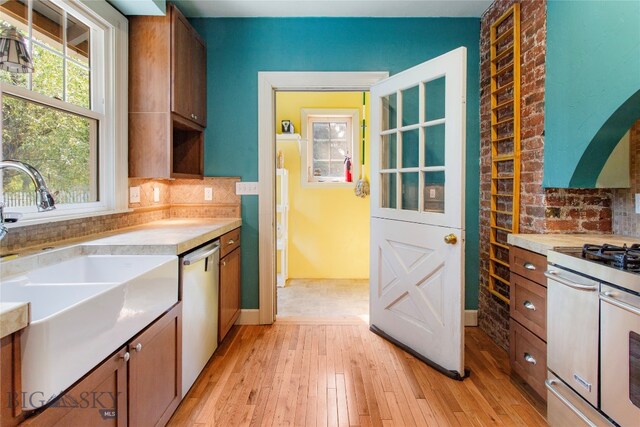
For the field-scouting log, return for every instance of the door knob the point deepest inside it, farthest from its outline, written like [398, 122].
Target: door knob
[450, 239]
[138, 347]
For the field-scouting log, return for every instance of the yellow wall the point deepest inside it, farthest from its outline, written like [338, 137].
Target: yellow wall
[328, 227]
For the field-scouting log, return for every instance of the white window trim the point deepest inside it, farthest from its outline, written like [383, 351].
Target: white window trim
[111, 104]
[305, 157]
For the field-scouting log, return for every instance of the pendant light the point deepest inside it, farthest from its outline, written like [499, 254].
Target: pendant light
[14, 55]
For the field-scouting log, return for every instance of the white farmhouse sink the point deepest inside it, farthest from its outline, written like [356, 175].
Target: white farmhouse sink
[84, 309]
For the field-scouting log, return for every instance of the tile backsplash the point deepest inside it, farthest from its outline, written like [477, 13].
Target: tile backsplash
[625, 220]
[181, 198]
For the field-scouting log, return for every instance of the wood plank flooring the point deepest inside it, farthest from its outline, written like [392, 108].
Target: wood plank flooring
[341, 374]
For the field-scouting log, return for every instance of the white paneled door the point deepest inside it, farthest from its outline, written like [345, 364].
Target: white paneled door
[417, 210]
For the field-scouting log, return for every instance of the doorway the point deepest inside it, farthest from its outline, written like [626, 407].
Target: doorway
[268, 84]
[322, 226]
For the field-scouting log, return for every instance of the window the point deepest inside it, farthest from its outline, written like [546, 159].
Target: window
[332, 135]
[67, 118]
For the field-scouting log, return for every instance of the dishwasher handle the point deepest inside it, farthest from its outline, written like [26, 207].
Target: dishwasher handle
[199, 256]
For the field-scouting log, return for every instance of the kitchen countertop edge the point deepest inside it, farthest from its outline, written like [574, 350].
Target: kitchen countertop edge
[14, 316]
[542, 243]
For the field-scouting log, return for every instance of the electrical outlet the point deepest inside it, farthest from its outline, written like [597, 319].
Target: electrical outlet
[156, 194]
[208, 193]
[638, 203]
[134, 194]
[246, 188]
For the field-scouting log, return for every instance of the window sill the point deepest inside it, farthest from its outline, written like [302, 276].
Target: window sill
[48, 218]
[329, 184]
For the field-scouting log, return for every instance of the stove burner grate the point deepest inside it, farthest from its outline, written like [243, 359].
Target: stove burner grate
[622, 257]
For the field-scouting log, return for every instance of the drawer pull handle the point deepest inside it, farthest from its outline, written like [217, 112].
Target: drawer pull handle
[530, 359]
[126, 356]
[529, 266]
[231, 242]
[138, 347]
[529, 305]
[224, 263]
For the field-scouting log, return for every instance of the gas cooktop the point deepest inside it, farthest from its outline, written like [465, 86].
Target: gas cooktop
[622, 257]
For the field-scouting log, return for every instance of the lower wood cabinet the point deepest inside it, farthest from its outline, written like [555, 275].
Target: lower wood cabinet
[139, 385]
[229, 292]
[10, 384]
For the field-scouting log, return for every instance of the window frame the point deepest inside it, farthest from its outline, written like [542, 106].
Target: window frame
[309, 115]
[109, 106]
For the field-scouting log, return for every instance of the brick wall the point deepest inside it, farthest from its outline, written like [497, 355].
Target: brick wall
[625, 220]
[541, 210]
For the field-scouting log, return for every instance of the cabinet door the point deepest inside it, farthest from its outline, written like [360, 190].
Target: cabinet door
[10, 399]
[98, 399]
[155, 371]
[229, 292]
[199, 80]
[181, 63]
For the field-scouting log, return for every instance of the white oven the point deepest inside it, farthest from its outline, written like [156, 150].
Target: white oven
[620, 355]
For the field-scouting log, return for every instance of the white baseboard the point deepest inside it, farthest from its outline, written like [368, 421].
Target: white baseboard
[249, 317]
[470, 317]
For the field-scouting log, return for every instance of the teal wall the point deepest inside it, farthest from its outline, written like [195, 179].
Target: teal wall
[237, 49]
[592, 86]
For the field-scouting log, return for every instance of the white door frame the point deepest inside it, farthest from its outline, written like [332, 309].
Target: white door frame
[268, 83]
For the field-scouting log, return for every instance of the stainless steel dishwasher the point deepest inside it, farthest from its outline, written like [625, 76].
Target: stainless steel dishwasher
[200, 290]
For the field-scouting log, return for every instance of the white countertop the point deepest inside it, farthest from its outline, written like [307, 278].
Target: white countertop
[165, 237]
[541, 243]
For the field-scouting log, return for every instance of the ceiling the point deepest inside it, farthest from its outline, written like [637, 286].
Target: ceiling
[342, 8]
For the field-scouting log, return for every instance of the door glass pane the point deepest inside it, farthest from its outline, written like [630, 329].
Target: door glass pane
[634, 368]
[389, 111]
[410, 106]
[434, 99]
[389, 151]
[410, 191]
[434, 145]
[388, 189]
[434, 192]
[410, 148]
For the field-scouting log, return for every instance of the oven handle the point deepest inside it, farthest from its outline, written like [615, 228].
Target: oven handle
[550, 386]
[555, 275]
[611, 299]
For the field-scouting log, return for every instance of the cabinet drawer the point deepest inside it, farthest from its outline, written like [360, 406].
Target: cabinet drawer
[529, 305]
[229, 242]
[528, 357]
[528, 264]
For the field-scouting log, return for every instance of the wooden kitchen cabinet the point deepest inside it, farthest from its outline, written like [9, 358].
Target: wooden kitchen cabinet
[528, 323]
[188, 65]
[167, 97]
[139, 385]
[10, 384]
[99, 398]
[230, 283]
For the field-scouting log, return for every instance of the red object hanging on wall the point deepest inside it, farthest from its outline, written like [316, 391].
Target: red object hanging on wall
[347, 169]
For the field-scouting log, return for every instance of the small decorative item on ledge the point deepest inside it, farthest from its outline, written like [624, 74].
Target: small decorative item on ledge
[286, 126]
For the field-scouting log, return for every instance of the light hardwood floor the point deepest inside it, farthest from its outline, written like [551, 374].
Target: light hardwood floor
[341, 374]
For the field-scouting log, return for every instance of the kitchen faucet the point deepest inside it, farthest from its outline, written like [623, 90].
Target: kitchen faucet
[44, 199]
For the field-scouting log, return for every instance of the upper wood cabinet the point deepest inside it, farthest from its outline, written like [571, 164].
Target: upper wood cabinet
[167, 97]
[188, 63]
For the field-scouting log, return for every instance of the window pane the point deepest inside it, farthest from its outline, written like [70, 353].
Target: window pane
[321, 130]
[389, 109]
[62, 146]
[47, 25]
[337, 170]
[339, 130]
[320, 168]
[410, 191]
[434, 192]
[434, 99]
[388, 190]
[339, 150]
[321, 149]
[78, 44]
[47, 74]
[78, 85]
[410, 148]
[389, 150]
[410, 106]
[435, 147]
